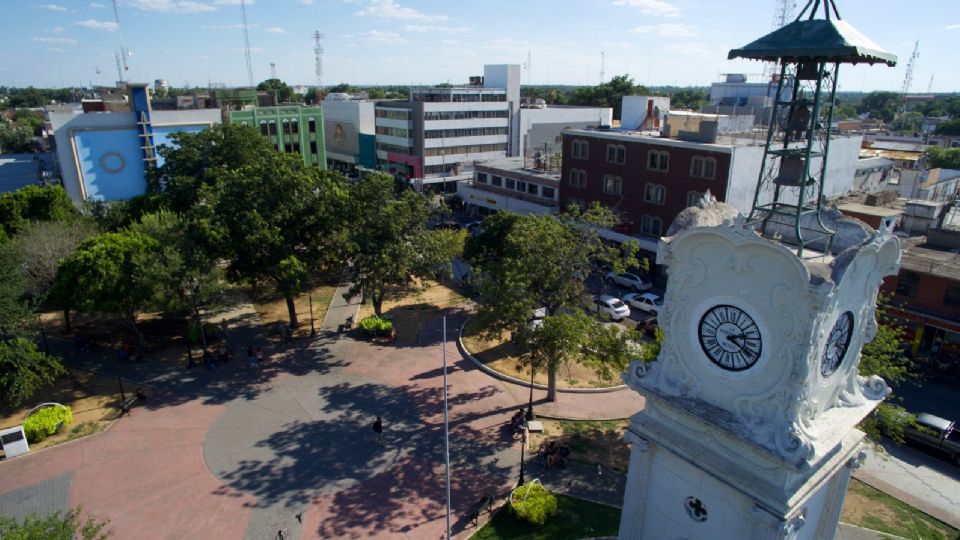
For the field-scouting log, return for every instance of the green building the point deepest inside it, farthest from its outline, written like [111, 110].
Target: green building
[291, 128]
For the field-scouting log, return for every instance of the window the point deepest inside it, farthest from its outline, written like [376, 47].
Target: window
[693, 197]
[616, 154]
[533, 189]
[580, 149]
[496, 181]
[654, 194]
[578, 178]
[264, 130]
[951, 298]
[908, 283]
[312, 125]
[612, 184]
[658, 161]
[482, 178]
[521, 186]
[510, 183]
[701, 167]
[650, 225]
[313, 147]
[548, 193]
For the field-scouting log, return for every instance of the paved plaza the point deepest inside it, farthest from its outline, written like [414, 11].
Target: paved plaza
[227, 453]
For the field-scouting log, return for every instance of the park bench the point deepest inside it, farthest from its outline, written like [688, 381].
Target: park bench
[485, 502]
[347, 325]
[127, 404]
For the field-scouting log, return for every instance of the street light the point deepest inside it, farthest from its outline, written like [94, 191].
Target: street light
[530, 415]
[523, 448]
[116, 366]
[313, 330]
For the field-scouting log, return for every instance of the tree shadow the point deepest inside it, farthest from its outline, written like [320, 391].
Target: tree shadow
[919, 456]
[371, 484]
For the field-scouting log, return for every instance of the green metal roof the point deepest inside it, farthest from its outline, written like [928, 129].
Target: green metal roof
[832, 40]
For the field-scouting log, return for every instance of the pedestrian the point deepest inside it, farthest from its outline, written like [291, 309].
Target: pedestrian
[208, 359]
[251, 359]
[260, 359]
[378, 429]
[224, 353]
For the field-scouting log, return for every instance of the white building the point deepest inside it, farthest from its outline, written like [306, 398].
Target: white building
[538, 128]
[510, 184]
[349, 133]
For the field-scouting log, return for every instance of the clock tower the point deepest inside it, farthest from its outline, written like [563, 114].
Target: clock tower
[749, 429]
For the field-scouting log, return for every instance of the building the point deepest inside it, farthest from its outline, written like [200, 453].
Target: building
[22, 170]
[349, 133]
[735, 95]
[434, 135]
[875, 174]
[935, 185]
[290, 128]
[105, 155]
[509, 184]
[539, 126]
[926, 292]
[648, 179]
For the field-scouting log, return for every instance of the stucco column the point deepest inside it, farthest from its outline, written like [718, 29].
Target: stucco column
[635, 498]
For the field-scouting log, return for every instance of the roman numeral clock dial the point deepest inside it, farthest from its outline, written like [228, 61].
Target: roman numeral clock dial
[837, 344]
[730, 338]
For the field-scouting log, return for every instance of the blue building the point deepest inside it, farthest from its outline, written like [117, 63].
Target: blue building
[104, 155]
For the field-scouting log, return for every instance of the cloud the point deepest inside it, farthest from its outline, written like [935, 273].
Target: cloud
[666, 30]
[171, 6]
[652, 7]
[306, 2]
[94, 24]
[378, 37]
[276, 30]
[98, 5]
[232, 2]
[691, 49]
[953, 27]
[60, 40]
[57, 29]
[56, 49]
[52, 7]
[436, 29]
[388, 9]
[226, 26]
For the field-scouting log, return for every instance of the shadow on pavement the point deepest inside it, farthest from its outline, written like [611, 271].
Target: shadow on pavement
[918, 456]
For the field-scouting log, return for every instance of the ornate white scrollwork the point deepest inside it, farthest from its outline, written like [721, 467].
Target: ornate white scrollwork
[874, 388]
[793, 446]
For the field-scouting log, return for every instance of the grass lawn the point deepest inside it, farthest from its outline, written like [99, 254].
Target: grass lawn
[591, 442]
[873, 509]
[575, 519]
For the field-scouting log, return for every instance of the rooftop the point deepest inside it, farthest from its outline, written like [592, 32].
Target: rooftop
[918, 256]
[517, 164]
[859, 208]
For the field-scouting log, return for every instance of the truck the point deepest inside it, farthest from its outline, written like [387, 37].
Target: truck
[937, 434]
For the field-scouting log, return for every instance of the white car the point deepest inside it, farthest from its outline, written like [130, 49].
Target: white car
[613, 307]
[630, 281]
[649, 302]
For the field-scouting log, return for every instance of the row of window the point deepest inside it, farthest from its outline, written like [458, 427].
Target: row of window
[386, 147]
[393, 132]
[472, 132]
[613, 185]
[657, 160]
[466, 149]
[908, 284]
[269, 128]
[463, 115]
[521, 186]
[393, 114]
[457, 98]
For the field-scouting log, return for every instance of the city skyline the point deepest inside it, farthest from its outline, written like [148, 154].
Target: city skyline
[378, 42]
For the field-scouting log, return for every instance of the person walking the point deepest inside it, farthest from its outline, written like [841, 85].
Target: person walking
[378, 430]
[251, 359]
[260, 359]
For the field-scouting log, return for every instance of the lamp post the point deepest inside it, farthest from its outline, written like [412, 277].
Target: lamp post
[116, 366]
[43, 335]
[530, 415]
[313, 330]
[523, 449]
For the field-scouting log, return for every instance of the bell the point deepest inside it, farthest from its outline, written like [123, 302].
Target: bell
[791, 171]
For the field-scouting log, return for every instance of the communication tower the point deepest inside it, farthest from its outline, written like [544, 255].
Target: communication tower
[318, 56]
[246, 42]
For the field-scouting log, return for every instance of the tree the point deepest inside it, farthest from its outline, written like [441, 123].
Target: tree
[112, 273]
[15, 139]
[608, 94]
[42, 245]
[389, 244]
[882, 105]
[33, 203]
[883, 356]
[689, 98]
[195, 162]
[529, 262]
[950, 127]
[280, 89]
[945, 158]
[68, 525]
[278, 220]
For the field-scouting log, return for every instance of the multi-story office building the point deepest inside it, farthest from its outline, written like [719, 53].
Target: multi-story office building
[349, 133]
[438, 131]
[290, 128]
[510, 184]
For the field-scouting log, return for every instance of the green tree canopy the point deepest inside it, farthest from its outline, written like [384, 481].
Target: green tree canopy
[882, 105]
[33, 203]
[16, 139]
[945, 158]
[689, 98]
[57, 526]
[389, 244]
[883, 356]
[950, 127]
[608, 94]
[283, 92]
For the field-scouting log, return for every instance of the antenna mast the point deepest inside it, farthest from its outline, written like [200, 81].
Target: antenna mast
[930, 85]
[246, 42]
[273, 70]
[603, 60]
[318, 59]
[782, 14]
[908, 78]
[124, 53]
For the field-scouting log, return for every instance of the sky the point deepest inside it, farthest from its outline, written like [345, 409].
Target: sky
[54, 43]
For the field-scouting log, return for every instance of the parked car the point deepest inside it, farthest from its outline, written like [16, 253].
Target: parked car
[473, 227]
[649, 302]
[648, 326]
[936, 433]
[612, 306]
[630, 281]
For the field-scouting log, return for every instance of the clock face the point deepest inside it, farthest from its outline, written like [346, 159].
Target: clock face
[730, 338]
[837, 344]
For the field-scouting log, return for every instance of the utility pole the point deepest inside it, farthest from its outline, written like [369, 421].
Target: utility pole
[603, 60]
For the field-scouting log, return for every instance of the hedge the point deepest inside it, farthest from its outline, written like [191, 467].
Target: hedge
[46, 421]
[375, 326]
[533, 503]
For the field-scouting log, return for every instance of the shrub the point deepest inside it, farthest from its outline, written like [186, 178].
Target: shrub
[46, 421]
[533, 503]
[375, 326]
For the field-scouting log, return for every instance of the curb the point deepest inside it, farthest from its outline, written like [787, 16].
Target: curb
[497, 375]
